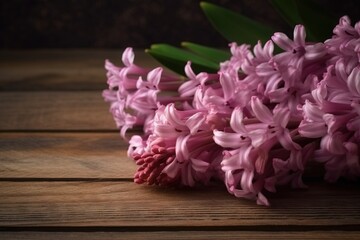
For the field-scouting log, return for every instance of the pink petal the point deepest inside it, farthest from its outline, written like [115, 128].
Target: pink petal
[269, 184]
[173, 117]
[186, 176]
[340, 70]
[247, 181]
[320, 92]
[283, 41]
[333, 143]
[268, 49]
[129, 122]
[182, 152]
[136, 145]
[262, 156]
[236, 121]
[352, 159]
[316, 51]
[353, 81]
[109, 95]
[111, 67]
[265, 70]
[258, 49]
[335, 122]
[140, 83]
[228, 86]
[199, 165]
[278, 95]
[229, 164]
[195, 122]
[312, 129]
[128, 57]
[266, 52]
[154, 77]
[262, 200]
[260, 110]
[172, 169]
[281, 116]
[258, 136]
[295, 160]
[189, 72]
[229, 140]
[188, 88]
[354, 124]
[202, 77]
[312, 112]
[165, 131]
[279, 165]
[299, 35]
[287, 142]
[240, 160]
[337, 108]
[143, 101]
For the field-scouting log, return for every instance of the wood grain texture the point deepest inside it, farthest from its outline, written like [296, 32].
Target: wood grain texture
[54, 111]
[64, 155]
[124, 204]
[182, 235]
[73, 155]
[58, 70]
[64, 173]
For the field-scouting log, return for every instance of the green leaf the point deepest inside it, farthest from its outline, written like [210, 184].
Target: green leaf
[235, 27]
[288, 10]
[213, 54]
[317, 20]
[175, 59]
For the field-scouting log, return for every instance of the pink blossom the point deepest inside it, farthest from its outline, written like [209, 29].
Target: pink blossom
[342, 164]
[332, 112]
[248, 169]
[134, 92]
[188, 153]
[137, 146]
[290, 169]
[297, 50]
[189, 87]
[255, 124]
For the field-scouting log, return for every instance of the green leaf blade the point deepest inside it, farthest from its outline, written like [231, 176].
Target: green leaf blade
[235, 27]
[317, 19]
[175, 59]
[213, 54]
[288, 10]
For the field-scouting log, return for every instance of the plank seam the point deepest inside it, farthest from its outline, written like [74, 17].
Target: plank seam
[265, 228]
[66, 179]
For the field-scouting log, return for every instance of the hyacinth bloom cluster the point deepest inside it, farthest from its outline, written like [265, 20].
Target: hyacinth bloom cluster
[255, 124]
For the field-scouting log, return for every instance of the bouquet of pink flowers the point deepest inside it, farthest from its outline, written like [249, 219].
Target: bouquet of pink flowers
[252, 119]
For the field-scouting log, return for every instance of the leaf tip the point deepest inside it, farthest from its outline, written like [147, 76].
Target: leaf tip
[154, 46]
[204, 4]
[184, 44]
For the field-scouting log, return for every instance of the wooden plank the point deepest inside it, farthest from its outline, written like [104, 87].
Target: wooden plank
[182, 235]
[64, 155]
[124, 204]
[54, 111]
[60, 69]
[73, 155]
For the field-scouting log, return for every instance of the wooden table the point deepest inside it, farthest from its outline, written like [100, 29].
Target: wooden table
[64, 173]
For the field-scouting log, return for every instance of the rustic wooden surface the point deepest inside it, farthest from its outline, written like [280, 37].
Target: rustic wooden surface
[64, 173]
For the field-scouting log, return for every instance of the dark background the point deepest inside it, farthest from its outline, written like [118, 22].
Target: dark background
[120, 23]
